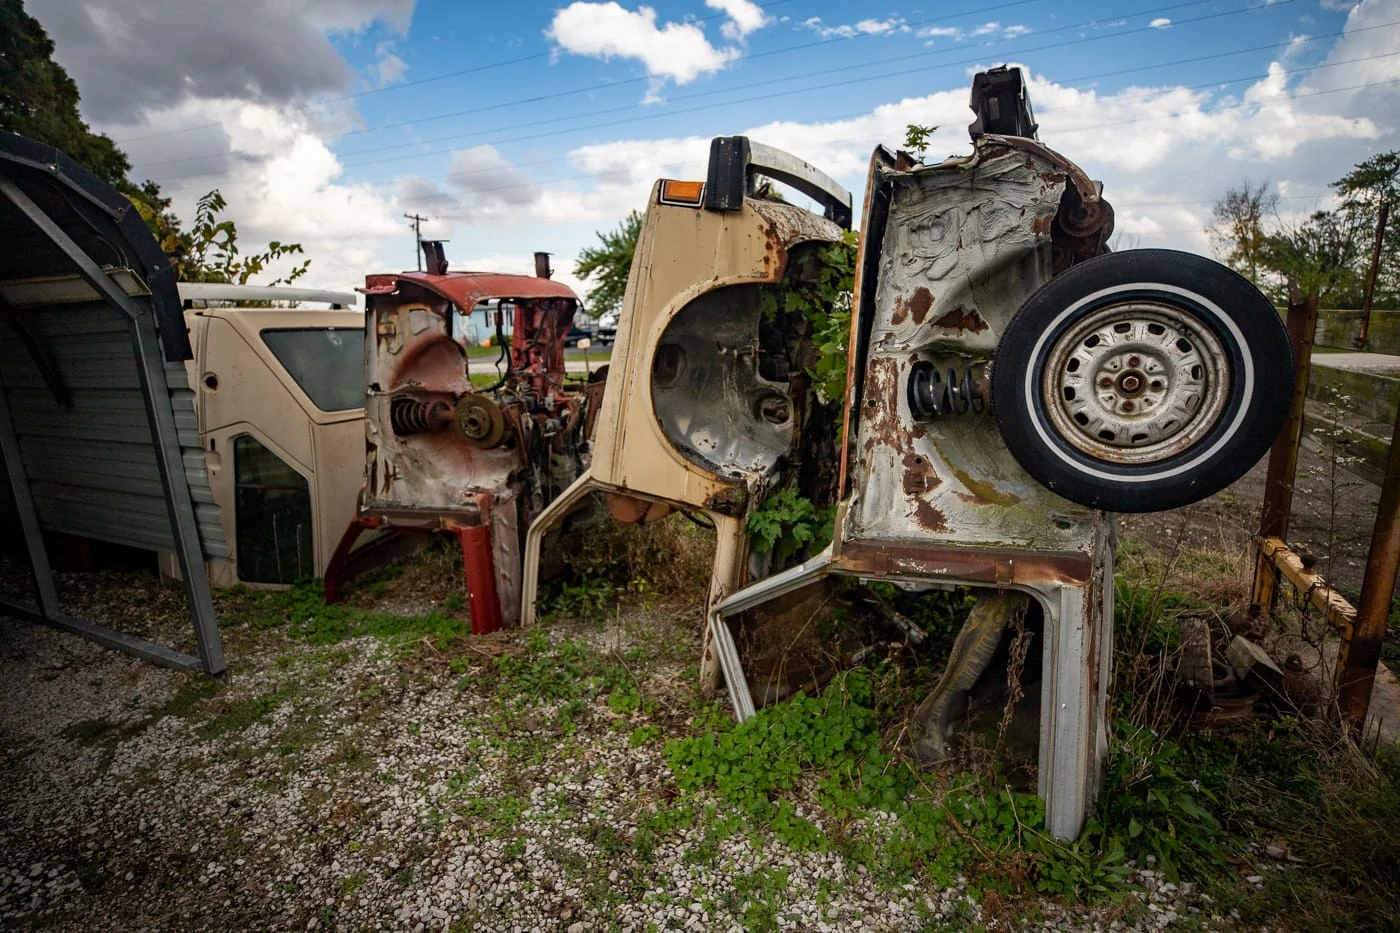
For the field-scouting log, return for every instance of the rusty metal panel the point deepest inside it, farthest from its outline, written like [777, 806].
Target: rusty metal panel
[480, 461]
[964, 243]
[465, 289]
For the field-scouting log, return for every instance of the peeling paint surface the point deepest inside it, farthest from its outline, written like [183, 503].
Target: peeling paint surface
[965, 243]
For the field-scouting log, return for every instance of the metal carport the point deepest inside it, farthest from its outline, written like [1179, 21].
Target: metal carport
[97, 425]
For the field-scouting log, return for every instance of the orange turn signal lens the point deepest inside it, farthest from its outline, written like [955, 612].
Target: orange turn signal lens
[681, 192]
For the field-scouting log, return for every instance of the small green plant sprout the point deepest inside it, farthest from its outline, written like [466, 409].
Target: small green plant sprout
[916, 137]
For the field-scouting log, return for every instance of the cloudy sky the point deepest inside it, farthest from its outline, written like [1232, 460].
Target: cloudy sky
[530, 125]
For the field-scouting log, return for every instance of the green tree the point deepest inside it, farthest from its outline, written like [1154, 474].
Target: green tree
[916, 137]
[1364, 190]
[607, 265]
[1237, 229]
[39, 100]
[1320, 256]
[209, 252]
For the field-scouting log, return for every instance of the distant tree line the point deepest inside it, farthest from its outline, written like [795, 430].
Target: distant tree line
[1328, 253]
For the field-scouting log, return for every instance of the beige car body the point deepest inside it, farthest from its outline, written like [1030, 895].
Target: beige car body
[695, 286]
[246, 398]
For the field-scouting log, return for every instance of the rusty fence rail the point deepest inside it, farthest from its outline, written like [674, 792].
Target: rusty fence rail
[1361, 628]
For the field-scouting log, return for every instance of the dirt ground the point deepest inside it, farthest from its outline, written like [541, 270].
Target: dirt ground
[1333, 515]
[369, 784]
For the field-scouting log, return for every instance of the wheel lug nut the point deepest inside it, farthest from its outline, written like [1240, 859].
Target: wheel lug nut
[1134, 361]
[1127, 406]
[1157, 387]
[1105, 382]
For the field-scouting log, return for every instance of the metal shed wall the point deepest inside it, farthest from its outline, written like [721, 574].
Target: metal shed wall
[92, 467]
[97, 424]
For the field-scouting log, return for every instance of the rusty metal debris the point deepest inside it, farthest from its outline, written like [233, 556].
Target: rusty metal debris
[446, 454]
[707, 407]
[969, 659]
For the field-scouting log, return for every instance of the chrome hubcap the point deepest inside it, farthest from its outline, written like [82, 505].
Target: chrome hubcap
[1136, 382]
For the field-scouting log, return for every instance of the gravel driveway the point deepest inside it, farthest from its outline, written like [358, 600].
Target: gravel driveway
[380, 784]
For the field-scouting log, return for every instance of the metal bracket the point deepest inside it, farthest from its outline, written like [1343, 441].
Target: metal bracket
[161, 420]
[734, 160]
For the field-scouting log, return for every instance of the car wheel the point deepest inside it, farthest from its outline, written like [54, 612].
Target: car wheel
[1142, 381]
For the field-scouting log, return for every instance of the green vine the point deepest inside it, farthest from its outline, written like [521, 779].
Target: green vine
[819, 291]
[786, 522]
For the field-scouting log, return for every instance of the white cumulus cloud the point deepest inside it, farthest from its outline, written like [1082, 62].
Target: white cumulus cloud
[745, 17]
[1160, 22]
[678, 51]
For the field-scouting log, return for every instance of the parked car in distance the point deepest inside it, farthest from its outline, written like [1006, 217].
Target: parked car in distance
[576, 334]
[606, 331]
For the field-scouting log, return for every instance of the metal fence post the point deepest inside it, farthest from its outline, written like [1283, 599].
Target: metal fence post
[1283, 457]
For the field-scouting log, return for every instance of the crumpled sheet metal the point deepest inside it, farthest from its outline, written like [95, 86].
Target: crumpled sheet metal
[965, 243]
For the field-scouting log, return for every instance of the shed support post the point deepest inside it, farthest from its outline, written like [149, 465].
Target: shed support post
[28, 516]
[155, 393]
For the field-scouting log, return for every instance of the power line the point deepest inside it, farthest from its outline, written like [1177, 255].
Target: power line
[555, 132]
[828, 86]
[537, 56]
[418, 236]
[1063, 131]
[1112, 125]
[796, 77]
[568, 92]
[808, 89]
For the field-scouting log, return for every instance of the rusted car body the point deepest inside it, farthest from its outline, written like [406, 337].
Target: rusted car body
[444, 454]
[696, 414]
[1010, 383]
[933, 495]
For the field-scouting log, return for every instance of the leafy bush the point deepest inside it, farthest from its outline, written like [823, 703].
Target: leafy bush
[787, 522]
[1147, 808]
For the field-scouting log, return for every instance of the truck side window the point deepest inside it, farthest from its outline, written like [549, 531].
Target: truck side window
[272, 512]
[327, 362]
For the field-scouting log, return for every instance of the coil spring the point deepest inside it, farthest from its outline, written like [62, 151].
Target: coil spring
[938, 392]
[411, 416]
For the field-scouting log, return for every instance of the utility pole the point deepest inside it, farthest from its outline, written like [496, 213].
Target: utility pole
[418, 237]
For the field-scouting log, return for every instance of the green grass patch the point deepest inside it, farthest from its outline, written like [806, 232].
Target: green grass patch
[91, 731]
[835, 741]
[240, 714]
[303, 613]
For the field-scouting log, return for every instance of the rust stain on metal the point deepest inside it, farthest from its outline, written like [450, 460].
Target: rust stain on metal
[929, 517]
[983, 491]
[961, 319]
[919, 476]
[1072, 568]
[920, 303]
[730, 501]
[881, 404]
[915, 306]
[1041, 225]
[774, 251]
